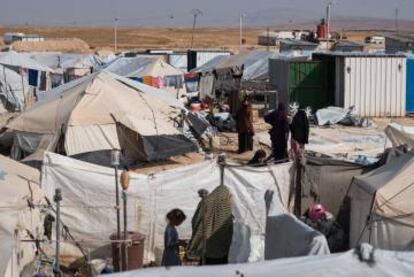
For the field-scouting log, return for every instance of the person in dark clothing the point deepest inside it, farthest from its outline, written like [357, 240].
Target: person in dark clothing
[279, 133]
[299, 130]
[245, 126]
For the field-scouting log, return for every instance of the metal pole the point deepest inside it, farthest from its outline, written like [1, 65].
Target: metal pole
[118, 218]
[328, 19]
[192, 33]
[222, 163]
[203, 223]
[397, 27]
[298, 188]
[116, 34]
[57, 198]
[268, 39]
[124, 198]
[241, 32]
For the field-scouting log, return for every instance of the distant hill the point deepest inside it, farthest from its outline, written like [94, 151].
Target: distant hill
[288, 19]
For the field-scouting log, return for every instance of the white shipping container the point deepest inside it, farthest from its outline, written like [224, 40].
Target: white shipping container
[375, 85]
[205, 56]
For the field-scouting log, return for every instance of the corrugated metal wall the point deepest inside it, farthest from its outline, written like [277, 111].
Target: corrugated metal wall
[410, 86]
[376, 86]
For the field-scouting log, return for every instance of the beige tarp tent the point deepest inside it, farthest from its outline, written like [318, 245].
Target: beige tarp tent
[382, 211]
[18, 187]
[95, 115]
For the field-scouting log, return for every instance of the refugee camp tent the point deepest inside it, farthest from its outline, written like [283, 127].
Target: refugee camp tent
[357, 263]
[36, 74]
[329, 179]
[19, 217]
[151, 71]
[151, 197]
[13, 90]
[382, 212]
[87, 118]
[17, 60]
[69, 66]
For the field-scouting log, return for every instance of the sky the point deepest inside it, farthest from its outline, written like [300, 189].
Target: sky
[178, 12]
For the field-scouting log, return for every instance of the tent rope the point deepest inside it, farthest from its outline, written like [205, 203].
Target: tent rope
[395, 195]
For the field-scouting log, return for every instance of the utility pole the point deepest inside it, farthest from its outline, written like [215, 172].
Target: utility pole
[328, 18]
[268, 39]
[397, 23]
[241, 31]
[116, 34]
[195, 13]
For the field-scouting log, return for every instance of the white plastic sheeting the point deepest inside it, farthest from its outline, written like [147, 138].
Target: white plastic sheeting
[287, 236]
[344, 143]
[384, 263]
[17, 60]
[400, 135]
[18, 185]
[12, 89]
[142, 66]
[89, 195]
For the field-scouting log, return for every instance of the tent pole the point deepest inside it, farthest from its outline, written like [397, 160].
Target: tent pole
[24, 94]
[124, 198]
[57, 198]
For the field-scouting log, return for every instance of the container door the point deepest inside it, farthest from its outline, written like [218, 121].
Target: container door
[310, 84]
[410, 86]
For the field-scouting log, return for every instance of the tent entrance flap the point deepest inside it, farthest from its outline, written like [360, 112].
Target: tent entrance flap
[149, 148]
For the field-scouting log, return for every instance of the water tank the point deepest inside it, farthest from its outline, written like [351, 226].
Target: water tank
[322, 30]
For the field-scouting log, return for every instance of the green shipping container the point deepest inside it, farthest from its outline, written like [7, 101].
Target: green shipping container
[309, 83]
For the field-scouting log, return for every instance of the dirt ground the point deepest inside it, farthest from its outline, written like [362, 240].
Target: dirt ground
[103, 37]
[128, 38]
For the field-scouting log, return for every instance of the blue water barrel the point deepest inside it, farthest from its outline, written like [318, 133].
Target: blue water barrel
[410, 86]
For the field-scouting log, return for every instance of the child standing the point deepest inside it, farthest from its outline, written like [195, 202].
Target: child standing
[171, 242]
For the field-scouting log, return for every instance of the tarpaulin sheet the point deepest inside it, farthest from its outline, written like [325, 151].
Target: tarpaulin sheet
[386, 263]
[18, 186]
[89, 196]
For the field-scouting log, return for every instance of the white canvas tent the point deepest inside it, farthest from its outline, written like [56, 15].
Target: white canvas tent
[19, 186]
[95, 115]
[141, 67]
[150, 197]
[13, 89]
[382, 212]
[17, 60]
[384, 263]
